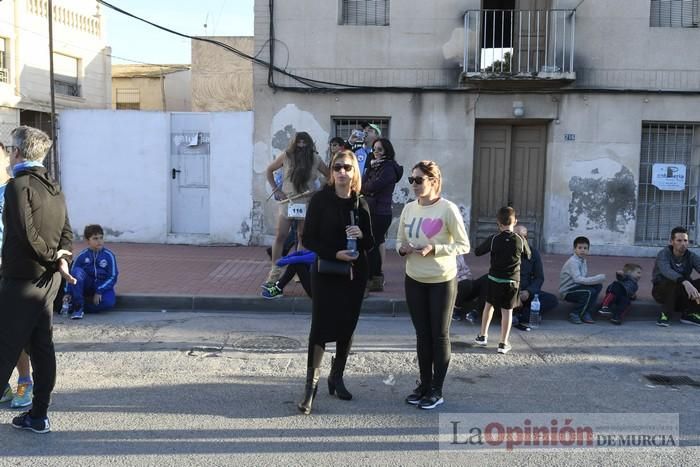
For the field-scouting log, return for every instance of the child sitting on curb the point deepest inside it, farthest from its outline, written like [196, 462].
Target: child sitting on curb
[619, 295]
[577, 287]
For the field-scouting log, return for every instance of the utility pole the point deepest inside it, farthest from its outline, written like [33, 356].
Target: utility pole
[54, 151]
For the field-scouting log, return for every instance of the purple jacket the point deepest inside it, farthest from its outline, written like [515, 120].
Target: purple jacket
[378, 186]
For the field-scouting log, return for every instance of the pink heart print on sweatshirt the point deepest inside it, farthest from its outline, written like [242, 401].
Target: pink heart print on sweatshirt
[431, 227]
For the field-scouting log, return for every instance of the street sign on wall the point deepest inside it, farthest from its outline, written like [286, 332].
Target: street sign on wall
[668, 177]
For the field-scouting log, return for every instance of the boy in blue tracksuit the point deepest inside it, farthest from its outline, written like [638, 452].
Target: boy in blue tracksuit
[95, 269]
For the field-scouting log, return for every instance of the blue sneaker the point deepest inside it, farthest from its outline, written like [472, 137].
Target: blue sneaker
[272, 292]
[78, 314]
[23, 396]
[37, 425]
[7, 394]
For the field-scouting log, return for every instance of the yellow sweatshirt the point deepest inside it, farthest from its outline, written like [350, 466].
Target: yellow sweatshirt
[440, 225]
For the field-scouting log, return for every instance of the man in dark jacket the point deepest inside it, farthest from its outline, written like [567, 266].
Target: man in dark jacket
[673, 286]
[531, 280]
[37, 241]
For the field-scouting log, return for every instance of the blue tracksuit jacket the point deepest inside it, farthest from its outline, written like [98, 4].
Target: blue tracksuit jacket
[100, 266]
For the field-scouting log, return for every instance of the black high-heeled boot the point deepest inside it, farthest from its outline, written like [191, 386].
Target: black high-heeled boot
[312, 376]
[335, 381]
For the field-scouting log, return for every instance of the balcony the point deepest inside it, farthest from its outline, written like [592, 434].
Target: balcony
[529, 48]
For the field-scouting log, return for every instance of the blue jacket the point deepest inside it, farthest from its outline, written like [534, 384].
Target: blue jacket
[531, 272]
[101, 266]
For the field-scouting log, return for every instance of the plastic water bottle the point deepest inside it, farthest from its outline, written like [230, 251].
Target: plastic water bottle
[535, 316]
[351, 245]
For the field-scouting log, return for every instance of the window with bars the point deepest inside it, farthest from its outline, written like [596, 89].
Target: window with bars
[675, 13]
[365, 12]
[128, 99]
[343, 126]
[4, 62]
[659, 211]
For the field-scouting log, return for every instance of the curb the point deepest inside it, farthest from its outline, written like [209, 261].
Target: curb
[642, 310]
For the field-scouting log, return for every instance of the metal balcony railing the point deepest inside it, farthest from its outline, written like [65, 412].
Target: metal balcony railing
[519, 43]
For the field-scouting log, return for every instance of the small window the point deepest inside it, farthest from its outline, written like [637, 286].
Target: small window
[675, 13]
[128, 99]
[65, 75]
[4, 61]
[365, 12]
[342, 126]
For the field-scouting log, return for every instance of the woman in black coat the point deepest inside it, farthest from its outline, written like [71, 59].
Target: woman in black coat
[336, 298]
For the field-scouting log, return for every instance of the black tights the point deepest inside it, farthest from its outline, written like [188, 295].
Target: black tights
[430, 306]
[316, 351]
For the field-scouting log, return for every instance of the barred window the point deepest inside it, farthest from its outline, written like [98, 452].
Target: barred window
[343, 126]
[365, 12]
[659, 211]
[128, 99]
[675, 13]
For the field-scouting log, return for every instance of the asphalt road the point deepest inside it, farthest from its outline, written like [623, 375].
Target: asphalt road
[153, 388]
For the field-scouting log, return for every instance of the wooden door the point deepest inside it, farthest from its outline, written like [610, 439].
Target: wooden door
[526, 188]
[509, 167]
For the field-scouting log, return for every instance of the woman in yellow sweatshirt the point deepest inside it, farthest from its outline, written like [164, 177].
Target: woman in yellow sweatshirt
[431, 235]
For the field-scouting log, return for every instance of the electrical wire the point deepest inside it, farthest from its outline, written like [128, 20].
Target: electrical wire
[320, 86]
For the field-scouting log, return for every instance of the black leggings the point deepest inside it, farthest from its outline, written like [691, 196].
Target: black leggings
[430, 306]
[380, 225]
[301, 270]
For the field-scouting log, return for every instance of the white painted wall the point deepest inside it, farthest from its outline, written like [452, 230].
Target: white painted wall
[115, 171]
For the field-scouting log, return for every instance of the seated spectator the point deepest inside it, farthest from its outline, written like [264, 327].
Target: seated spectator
[531, 280]
[299, 264]
[576, 286]
[619, 295]
[470, 293]
[673, 287]
[95, 269]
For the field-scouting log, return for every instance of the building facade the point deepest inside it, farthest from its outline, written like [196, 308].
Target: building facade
[82, 63]
[583, 115]
[152, 87]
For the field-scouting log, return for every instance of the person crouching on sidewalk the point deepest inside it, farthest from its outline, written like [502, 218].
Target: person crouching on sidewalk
[619, 295]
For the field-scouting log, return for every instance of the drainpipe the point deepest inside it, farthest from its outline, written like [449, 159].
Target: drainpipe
[162, 87]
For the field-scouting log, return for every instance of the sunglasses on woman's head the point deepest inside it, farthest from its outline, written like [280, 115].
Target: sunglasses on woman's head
[337, 167]
[417, 180]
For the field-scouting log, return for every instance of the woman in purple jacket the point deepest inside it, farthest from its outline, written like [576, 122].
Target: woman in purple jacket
[378, 187]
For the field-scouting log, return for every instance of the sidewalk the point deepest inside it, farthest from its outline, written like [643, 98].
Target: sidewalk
[228, 278]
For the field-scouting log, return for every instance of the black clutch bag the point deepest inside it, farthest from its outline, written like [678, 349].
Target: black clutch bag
[336, 268]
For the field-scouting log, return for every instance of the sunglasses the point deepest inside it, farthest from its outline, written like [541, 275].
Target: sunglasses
[338, 167]
[418, 180]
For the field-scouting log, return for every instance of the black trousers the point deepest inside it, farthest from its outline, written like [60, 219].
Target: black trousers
[673, 297]
[26, 309]
[430, 306]
[380, 226]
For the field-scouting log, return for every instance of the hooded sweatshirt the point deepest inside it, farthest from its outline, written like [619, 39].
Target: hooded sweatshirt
[378, 185]
[36, 225]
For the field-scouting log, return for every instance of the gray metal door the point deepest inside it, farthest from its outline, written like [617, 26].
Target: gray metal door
[509, 167]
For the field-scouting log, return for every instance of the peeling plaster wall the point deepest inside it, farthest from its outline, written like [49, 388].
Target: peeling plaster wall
[592, 182]
[428, 126]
